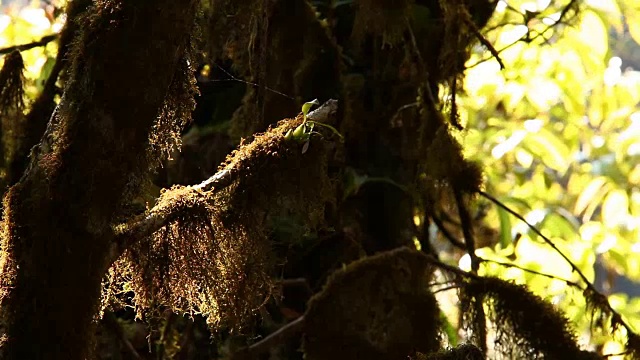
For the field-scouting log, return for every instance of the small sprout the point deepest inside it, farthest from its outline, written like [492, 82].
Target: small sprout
[302, 133]
[307, 106]
[288, 135]
[299, 132]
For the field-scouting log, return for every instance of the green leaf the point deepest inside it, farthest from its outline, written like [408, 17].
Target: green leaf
[594, 33]
[591, 194]
[615, 208]
[505, 228]
[549, 149]
[307, 106]
[632, 15]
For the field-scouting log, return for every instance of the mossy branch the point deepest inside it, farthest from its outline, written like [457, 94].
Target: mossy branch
[157, 217]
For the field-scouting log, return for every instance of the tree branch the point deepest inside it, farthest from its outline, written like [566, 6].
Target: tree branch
[278, 337]
[42, 42]
[155, 219]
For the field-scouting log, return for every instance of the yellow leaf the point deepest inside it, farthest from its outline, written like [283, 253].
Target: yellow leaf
[588, 195]
[615, 208]
[594, 33]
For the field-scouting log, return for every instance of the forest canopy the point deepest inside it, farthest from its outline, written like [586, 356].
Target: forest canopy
[478, 180]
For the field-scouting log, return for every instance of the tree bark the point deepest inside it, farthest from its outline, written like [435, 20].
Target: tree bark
[57, 223]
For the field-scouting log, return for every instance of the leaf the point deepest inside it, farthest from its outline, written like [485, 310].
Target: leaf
[505, 228]
[45, 72]
[615, 208]
[632, 15]
[588, 195]
[549, 149]
[307, 106]
[594, 33]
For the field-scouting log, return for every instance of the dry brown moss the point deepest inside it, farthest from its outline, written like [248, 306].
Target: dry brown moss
[215, 257]
[379, 307]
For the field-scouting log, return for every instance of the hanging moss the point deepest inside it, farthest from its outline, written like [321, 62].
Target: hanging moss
[526, 326]
[379, 307]
[11, 110]
[12, 84]
[385, 18]
[215, 258]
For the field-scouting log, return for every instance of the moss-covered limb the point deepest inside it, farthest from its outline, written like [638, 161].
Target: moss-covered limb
[211, 253]
[57, 232]
[526, 325]
[379, 307]
[158, 216]
[461, 352]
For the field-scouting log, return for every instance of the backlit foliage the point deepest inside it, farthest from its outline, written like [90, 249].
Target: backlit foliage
[560, 123]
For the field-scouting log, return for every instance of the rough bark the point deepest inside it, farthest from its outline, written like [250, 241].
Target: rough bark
[57, 226]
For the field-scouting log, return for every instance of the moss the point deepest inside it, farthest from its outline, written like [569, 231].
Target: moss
[282, 49]
[527, 326]
[215, 257]
[461, 352]
[385, 18]
[378, 307]
[12, 84]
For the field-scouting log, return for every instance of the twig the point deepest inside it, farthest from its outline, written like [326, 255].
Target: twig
[277, 337]
[483, 40]
[467, 227]
[42, 42]
[480, 319]
[564, 13]
[568, 282]
[574, 267]
[452, 239]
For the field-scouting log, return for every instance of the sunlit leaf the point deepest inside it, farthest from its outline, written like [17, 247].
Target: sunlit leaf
[594, 33]
[591, 194]
[505, 227]
[632, 15]
[615, 208]
[549, 149]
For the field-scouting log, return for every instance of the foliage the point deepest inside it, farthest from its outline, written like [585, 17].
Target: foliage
[560, 123]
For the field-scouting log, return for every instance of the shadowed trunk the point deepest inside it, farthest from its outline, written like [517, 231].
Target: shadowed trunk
[58, 218]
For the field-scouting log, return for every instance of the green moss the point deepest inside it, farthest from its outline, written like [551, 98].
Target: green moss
[378, 307]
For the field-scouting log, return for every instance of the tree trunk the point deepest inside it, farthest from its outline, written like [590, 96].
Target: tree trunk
[58, 218]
